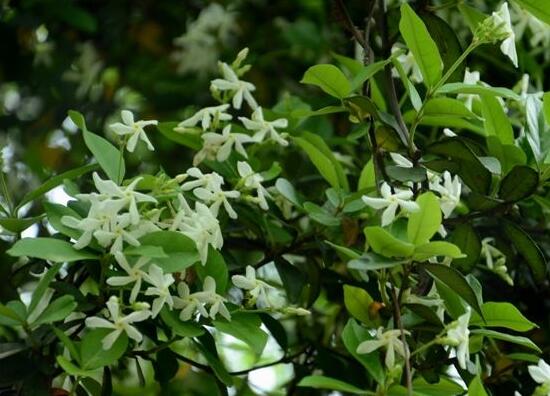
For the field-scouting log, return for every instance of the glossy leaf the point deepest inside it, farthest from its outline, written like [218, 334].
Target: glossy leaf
[528, 249]
[329, 78]
[502, 314]
[322, 382]
[424, 223]
[384, 243]
[497, 122]
[519, 183]
[421, 44]
[523, 341]
[245, 327]
[352, 335]
[454, 280]
[51, 249]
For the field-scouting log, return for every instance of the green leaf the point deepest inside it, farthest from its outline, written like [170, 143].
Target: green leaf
[447, 43]
[373, 262]
[476, 387]
[287, 190]
[71, 369]
[322, 157]
[329, 78]
[322, 382]
[436, 248]
[538, 8]
[57, 310]
[180, 250]
[523, 341]
[69, 344]
[443, 387]
[55, 181]
[43, 285]
[421, 44]
[108, 156]
[352, 335]
[366, 73]
[55, 212]
[546, 107]
[216, 268]
[384, 243]
[320, 215]
[402, 174]
[502, 314]
[357, 302]
[470, 168]
[497, 122]
[245, 327]
[306, 113]
[9, 317]
[474, 89]
[188, 139]
[51, 249]
[93, 355]
[527, 248]
[424, 223]
[467, 240]
[210, 354]
[17, 225]
[183, 329]
[454, 280]
[447, 107]
[521, 182]
[367, 178]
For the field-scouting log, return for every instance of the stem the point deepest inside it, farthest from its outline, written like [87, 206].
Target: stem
[399, 323]
[425, 346]
[473, 45]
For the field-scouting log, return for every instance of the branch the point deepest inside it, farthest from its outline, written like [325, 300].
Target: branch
[399, 323]
[343, 17]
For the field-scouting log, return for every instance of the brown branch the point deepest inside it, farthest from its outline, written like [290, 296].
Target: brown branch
[344, 18]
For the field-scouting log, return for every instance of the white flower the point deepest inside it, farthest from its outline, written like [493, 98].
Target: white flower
[118, 323]
[470, 78]
[239, 89]
[134, 129]
[211, 181]
[448, 132]
[495, 259]
[458, 337]
[410, 66]
[207, 116]
[390, 340]
[257, 289]
[540, 373]
[134, 274]
[449, 192]
[253, 181]
[501, 18]
[200, 225]
[117, 234]
[191, 303]
[125, 195]
[99, 217]
[391, 201]
[161, 283]
[219, 146]
[261, 127]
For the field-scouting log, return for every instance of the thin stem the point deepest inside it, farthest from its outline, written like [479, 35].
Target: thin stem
[473, 45]
[399, 323]
[425, 346]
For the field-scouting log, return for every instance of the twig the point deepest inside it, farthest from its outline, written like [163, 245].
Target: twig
[347, 23]
[399, 323]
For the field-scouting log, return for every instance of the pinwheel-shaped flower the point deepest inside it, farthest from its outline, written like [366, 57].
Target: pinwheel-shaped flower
[207, 116]
[257, 288]
[134, 275]
[391, 201]
[458, 337]
[390, 340]
[118, 323]
[239, 89]
[161, 283]
[261, 127]
[133, 130]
